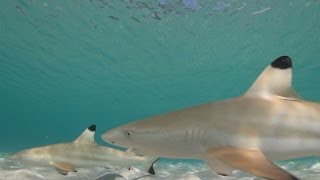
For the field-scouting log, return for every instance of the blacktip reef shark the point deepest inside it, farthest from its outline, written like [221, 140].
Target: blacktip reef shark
[84, 152]
[269, 122]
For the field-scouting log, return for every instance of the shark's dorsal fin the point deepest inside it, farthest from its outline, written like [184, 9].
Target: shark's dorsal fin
[276, 80]
[87, 137]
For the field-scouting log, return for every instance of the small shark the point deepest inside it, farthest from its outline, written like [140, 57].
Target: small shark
[269, 122]
[84, 152]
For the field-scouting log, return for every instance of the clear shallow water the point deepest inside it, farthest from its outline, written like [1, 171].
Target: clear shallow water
[66, 65]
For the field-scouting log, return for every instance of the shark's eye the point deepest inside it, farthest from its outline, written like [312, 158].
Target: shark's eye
[129, 133]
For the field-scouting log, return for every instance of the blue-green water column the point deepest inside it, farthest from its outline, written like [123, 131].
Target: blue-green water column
[67, 64]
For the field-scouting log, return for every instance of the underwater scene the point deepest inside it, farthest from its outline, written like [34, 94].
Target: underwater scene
[75, 75]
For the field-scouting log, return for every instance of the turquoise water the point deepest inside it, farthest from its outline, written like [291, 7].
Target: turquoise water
[65, 65]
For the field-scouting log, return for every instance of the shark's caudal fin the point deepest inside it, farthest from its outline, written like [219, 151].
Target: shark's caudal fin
[87, 137]
[276, 79]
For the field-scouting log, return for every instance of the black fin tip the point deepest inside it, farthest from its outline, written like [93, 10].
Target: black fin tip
[283, 62]
[92, 128]
[151, 169]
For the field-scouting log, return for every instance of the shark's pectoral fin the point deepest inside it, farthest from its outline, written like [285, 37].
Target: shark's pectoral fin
[63, 168]
[219, 167]
[252, 161]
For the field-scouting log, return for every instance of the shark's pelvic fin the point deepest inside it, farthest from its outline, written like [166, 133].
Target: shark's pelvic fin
[63, 168]
[219, 167]
[276, 79]
[252, 161]
[87, 137]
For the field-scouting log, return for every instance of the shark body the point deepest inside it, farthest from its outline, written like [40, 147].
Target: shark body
[84, 152]
[269, 122]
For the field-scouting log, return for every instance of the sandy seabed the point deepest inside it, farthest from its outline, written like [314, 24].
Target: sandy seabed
[308, 169]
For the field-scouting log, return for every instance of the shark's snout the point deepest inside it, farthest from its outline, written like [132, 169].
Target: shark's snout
[111, 136]
[119, 136]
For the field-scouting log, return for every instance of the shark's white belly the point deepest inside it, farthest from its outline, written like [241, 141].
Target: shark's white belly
[195, 142]
[275, 148]
[287, 130]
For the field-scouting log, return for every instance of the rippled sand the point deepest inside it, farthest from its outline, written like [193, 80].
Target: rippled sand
[308, 169]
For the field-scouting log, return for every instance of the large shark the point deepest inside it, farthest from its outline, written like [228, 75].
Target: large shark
[269, 122]
[84, 152]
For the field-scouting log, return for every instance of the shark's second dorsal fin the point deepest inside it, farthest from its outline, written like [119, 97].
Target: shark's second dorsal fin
[276, 79]
[87, 137]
